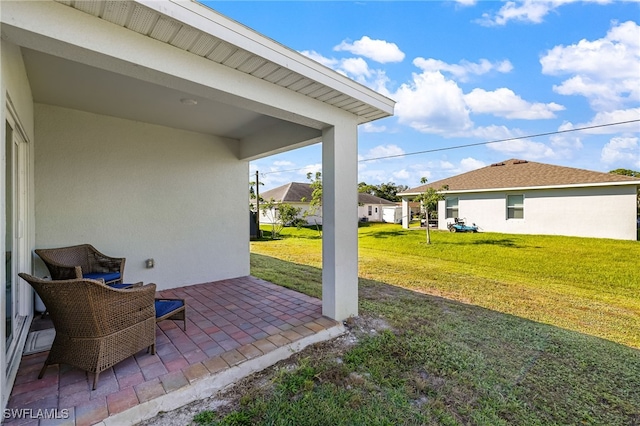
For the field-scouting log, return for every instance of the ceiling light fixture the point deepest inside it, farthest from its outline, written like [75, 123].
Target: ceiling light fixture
[188, 101]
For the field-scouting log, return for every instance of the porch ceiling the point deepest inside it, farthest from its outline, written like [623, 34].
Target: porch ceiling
[203, 33]
[57, 81]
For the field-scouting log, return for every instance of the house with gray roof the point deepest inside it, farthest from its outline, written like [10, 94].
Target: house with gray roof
[526, 197]
[300, 194]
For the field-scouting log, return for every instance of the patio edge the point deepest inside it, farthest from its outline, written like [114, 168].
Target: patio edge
[209, 386]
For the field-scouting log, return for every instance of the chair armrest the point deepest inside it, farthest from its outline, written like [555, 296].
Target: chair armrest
[124, 308]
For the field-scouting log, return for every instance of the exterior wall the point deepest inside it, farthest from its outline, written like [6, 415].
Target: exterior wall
[376, 212]
[392, 214]
[141, 191]
[311, 220]
[599, 212]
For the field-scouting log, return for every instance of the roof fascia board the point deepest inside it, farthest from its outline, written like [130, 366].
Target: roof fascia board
[529, 188]
[53, 28]
[209, 21]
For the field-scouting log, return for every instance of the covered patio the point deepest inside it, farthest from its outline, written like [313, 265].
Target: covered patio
[234, 327]
[130, 125]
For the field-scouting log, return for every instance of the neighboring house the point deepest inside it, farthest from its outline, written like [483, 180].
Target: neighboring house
[130, 125]
[369, 206]
[525, 197]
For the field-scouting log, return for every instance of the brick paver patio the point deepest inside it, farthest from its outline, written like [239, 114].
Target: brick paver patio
[229, 323]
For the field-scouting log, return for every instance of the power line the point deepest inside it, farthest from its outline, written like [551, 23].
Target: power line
[557, 132]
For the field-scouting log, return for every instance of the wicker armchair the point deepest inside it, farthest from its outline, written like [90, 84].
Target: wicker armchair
[82, 261]
[96, 326]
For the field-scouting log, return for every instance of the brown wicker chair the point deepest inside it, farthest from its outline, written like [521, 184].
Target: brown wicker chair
[96, 326]
[82, 261]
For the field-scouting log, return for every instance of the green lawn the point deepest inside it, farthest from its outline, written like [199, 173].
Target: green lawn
[482, 329]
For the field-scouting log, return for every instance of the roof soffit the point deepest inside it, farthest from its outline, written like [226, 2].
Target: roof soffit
[196, 29]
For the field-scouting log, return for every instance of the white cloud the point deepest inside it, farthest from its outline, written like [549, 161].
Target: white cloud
[566, 145]
[377, 50]
[464, 69]
[355, 67]
[283, 163]
[532, 11]
[466, 2]
[605, 71]
[384, 151]
[491, 133]
[432, 104]
[468, 164]
[505, 103]
[372, 128]
[311, 168]
[523, 148]
[630, 116]
[622, 152]
[401, 174]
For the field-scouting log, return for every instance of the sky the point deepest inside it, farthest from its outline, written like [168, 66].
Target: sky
[468, 72]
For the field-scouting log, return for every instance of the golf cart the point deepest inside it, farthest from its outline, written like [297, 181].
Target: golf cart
[459, 226]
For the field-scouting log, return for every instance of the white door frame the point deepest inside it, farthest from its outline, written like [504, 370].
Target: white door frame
[22, 297]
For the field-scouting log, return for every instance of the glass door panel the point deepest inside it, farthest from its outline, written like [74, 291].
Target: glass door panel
[9, 234]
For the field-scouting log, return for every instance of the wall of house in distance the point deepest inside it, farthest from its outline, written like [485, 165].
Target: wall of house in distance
[376, 216]
[311, 219]
[600, 212]
[142, 191]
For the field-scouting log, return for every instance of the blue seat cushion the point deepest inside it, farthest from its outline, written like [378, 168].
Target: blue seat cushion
[164, 307]
[106, 276]
[120, 286]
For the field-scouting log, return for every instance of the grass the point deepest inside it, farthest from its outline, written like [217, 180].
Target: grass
[451, 334]
[582, 284]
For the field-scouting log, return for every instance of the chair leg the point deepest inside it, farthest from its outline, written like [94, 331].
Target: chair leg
[44, 368]
[95, 380]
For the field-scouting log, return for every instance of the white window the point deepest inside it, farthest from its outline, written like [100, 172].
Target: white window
[515, 206]
[452, 207]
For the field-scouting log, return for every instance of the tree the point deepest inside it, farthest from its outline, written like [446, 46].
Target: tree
[252, 195]
[429, 202]
[388, 190]
[280, 215]
[315, 204]
[625, 172]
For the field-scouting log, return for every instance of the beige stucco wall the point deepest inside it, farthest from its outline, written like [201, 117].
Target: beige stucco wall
[599, 212]
[15, 86]
[142, 191]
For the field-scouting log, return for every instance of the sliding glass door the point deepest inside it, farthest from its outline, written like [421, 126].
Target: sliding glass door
[15, 202]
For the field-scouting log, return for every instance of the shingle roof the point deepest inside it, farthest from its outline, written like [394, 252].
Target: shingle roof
[522, 174]
[294, 192]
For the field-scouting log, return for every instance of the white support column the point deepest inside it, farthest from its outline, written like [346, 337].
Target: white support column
[340, 221]
[406, 213]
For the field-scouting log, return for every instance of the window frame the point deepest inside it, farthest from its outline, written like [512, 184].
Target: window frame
[448, 208]
[512, 207]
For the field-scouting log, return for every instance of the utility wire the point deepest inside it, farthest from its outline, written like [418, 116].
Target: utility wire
[557, 132]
